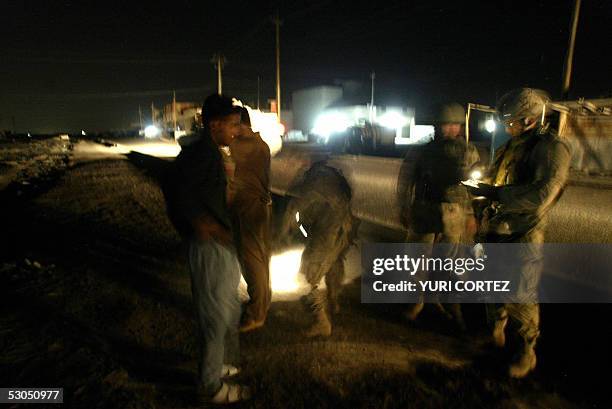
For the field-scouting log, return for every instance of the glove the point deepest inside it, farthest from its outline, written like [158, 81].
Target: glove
[486, 190]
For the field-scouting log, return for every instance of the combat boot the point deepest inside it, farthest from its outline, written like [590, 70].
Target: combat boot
[499, 332]
[316, 302]
[321, 325]
[524, 363]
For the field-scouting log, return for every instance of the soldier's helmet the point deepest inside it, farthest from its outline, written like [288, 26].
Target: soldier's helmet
[450, 114]
[522, 103]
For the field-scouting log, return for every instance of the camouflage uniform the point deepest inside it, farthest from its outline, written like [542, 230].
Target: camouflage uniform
[531, 171]
[322, 199]
[528, 178]
[438, 208]
[436, 192]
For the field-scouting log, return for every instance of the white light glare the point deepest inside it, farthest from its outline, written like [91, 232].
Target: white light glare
[422, 132]
[490, 125]
[271, 131]
[476, 175]
[151, 131]
[284, 273]
[268, 126]
[329, 123]
[392, 120]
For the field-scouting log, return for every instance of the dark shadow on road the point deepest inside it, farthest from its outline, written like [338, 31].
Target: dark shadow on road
[153, 167]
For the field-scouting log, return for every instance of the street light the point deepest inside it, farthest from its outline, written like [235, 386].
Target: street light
[329, 123]
[151, 131]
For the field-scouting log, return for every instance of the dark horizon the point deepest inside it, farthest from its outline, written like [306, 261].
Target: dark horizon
[69, 67]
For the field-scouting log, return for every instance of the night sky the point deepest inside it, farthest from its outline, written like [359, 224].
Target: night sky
[71, 65]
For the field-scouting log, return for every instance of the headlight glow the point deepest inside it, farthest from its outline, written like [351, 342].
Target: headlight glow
[151, 131]
[392, 120]
[329, 123]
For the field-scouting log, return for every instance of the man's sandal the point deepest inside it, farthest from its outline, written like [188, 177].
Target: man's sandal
[229, 370]
[231, 393]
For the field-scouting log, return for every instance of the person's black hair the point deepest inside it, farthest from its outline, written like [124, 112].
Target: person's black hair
[216, 106]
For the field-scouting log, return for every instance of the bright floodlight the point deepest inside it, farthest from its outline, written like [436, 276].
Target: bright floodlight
[151, 131]
[392, 120]
[329, 123]
[490, 125]
[83, 132]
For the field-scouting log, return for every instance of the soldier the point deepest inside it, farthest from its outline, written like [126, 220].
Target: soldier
[322, 201]
[528, 177]
[436, 207]
[250, 205]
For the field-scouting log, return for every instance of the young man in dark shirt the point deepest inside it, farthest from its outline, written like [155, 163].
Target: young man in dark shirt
[198, 208]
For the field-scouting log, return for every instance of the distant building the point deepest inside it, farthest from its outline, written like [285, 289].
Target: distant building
[320, 112]
[309, 103]
[187, 113]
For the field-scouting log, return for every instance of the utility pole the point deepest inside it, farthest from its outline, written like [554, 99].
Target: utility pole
[258, 88]
[372, 77]
[278, 22]
[152, 113]
[140, 117]
[569, 59]
[219, 61]
[567, 72]
[174, 110]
